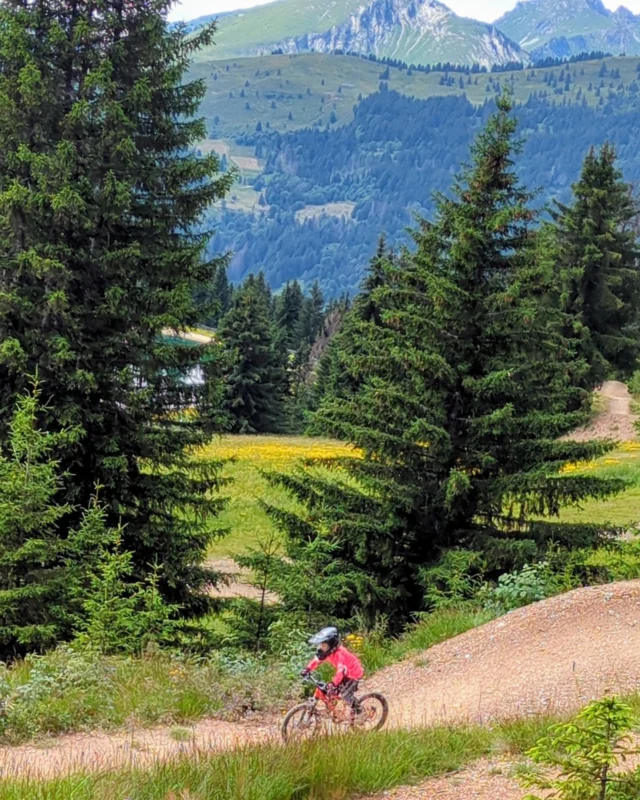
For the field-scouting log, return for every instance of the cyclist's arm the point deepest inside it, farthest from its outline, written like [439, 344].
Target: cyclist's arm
[313, 664]
[341, 674]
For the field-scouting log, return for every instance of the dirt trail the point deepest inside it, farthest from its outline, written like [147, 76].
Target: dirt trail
[137, 747]
[616, 421]
[238, 583]
[484, 780]
[551, 656]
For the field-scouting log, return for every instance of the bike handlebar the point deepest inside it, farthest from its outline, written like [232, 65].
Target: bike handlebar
[318, 684]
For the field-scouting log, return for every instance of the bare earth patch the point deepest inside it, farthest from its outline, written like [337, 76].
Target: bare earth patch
[343, 209]
[484, 780]
[616, 421]
[137, 747]
[238, 584]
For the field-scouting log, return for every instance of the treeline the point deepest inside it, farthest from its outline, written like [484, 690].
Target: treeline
[456, 375]
[387, 162]
[468, 69]
[271, 346]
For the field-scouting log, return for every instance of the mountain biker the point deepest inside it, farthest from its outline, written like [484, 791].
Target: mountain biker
[348, 668]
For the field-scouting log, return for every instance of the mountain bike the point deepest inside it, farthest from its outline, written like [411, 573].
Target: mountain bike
[369, 712]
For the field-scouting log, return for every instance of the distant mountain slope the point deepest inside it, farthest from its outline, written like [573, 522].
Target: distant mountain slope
[566, 27]
[284, 93]
[418, 31]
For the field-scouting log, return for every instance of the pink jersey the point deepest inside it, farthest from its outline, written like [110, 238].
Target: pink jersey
[346, 664]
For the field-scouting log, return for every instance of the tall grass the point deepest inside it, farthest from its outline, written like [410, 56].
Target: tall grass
[68, 690]
[378, 651]
[244, 515]
[326, 769]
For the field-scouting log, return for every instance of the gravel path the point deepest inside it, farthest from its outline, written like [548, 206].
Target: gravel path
[616, 422]
[137, 747]
[485, 780]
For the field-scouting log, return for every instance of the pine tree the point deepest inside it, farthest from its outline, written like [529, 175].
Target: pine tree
[100, 192]
[33, 579]
[311, 317]
[595, 254]
[221, 295]
[463, 390]
[288, 309]
[255, 379]
[334, 379]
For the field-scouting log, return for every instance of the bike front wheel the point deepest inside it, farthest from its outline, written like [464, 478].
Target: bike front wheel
[371, 712]
[300, 723]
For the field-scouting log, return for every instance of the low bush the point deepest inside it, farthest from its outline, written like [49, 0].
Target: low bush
[70, 689]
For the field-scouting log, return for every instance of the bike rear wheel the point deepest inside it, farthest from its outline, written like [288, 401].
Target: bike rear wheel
[300, 723]
[372, 711]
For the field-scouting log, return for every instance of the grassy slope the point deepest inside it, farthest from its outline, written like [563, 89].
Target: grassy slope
[283, 85]
[623, 510]
[245, 31]
[248, 521]
[261, 29]
[525, 23]
[244, 515]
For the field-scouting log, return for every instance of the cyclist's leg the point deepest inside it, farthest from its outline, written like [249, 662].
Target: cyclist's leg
[348, 689]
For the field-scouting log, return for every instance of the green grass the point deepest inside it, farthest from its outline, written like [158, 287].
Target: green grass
[433, 628]
[622, 510]
[248, 521]
[328, 769]
[244, 516]
[283, 85]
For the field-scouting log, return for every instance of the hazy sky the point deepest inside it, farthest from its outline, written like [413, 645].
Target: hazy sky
[478, 9]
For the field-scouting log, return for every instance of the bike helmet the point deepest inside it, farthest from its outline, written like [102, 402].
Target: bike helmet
[327, 641]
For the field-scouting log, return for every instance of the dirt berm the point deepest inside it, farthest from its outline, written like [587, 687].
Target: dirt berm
[553, 656]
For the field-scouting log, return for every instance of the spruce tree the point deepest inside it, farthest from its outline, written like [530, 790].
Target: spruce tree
[33, 578]
[462, 393]
[100, 192]
[220, 295]
[334, 379]
[255, 378]
[288, 309]
[594, 252]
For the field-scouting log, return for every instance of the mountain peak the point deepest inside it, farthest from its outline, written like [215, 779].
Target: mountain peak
[566, 27]
[416, 31]
[623, 13]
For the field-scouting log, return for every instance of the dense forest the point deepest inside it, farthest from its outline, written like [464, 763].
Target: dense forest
[388, 162]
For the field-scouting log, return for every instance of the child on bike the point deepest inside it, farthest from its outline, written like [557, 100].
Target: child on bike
[347, 665]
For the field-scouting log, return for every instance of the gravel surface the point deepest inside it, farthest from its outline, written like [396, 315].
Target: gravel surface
[553, 656]
[485, 780]
[136, 747]
[616, 422]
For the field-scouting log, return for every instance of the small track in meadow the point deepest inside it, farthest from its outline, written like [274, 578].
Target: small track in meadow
[616, 421]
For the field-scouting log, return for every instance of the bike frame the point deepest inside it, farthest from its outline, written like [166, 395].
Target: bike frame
[320, 694]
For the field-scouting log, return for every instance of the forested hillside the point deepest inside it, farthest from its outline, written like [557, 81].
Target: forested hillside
[381, 168]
